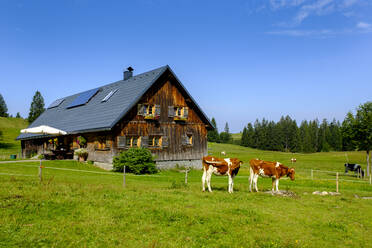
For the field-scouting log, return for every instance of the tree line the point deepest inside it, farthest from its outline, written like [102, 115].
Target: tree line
[36, 109]
[285, 135]
[354, 133]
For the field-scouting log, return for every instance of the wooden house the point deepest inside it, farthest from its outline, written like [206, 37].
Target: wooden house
[152, 110]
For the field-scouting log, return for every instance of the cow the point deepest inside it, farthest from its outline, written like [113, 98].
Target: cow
[221, 167]
[293, 160]
[275, 170]
[357, 168]
[223, 153]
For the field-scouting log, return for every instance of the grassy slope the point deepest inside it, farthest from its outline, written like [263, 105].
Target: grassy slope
[10, 128]
[236, 136]
[81, 209]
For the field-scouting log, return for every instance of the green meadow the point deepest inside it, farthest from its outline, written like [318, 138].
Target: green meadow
[72, 208]
[10, 128]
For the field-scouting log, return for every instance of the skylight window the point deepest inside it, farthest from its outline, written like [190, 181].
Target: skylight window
[109, 95]
[83, 98]
[56, 103]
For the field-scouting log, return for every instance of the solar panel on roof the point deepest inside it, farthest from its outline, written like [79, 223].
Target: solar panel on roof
[56, 103]
[109, 95]
[83, 98]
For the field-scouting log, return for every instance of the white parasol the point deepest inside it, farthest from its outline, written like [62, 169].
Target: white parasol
[43, 129]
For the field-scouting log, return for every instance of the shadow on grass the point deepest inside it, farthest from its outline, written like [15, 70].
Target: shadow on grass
[7, 145]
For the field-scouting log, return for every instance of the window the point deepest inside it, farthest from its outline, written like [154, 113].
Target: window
[102, 143]
[149, 111]
[133, 141]
[155, 141]
[187, 140]
[179, 113]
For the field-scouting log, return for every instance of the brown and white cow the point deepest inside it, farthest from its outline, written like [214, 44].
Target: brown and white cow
[275, 170]
[221, 167]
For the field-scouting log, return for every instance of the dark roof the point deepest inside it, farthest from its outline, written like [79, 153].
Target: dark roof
[101, 116]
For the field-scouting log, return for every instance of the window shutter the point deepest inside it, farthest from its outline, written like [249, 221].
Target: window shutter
[171, 111]
[140, 109]
[157, 110]
[144, 141]
[121, 141]
[164, 141]
[186, 112]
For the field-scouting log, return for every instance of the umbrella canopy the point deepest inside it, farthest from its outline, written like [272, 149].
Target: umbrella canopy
[44, 130]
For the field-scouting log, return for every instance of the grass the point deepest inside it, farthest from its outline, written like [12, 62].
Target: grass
[236, 136]
[79, 209]
[10, 127]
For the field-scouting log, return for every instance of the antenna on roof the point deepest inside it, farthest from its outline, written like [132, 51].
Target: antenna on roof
[128, 73]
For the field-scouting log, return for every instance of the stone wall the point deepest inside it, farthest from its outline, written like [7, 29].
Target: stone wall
[194, 164]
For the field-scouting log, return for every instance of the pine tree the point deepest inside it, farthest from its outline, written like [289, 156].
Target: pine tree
[3, 107]
[244, 141]
[37, 107]
[213, 135]
[348, 143]
[250, 135]
[335, 138]
[227, 129]
[323, 145]
[18, 115]
[362, 130]
[225, 137]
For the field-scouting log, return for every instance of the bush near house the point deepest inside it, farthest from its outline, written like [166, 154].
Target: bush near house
[136, 160]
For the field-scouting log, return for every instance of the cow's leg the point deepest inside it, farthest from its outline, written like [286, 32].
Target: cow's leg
[209, 175]
[250, 179]
[204, 178]
[277, 184]
[255, 182]
[273, 179]
[229, 189]
[232, 184]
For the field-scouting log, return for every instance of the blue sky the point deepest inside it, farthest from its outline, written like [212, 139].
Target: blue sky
[241, 60]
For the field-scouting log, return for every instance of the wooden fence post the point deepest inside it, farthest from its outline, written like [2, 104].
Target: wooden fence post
[124, 177]
[40, 172]
[312, 175]
[337, 182]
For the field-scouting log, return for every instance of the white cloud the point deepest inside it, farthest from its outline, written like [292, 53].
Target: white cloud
[277, 4]
[320, 7]
[364, 25]
[349, 3]
[308, 8]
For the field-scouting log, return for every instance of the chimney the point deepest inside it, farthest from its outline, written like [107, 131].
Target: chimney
[128, 73]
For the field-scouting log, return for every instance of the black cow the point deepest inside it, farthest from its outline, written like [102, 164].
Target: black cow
[355, 168]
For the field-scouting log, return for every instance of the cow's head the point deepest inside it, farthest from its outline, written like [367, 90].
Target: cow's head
[291, 173]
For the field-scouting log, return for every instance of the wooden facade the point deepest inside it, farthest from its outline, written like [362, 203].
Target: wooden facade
[165, 120]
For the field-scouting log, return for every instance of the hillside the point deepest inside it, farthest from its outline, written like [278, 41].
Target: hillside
[10, 127]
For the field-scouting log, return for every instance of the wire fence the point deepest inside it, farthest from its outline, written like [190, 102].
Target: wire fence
[124, 174]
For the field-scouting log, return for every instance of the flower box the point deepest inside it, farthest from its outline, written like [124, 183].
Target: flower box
[151, 117]
[179, 118]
